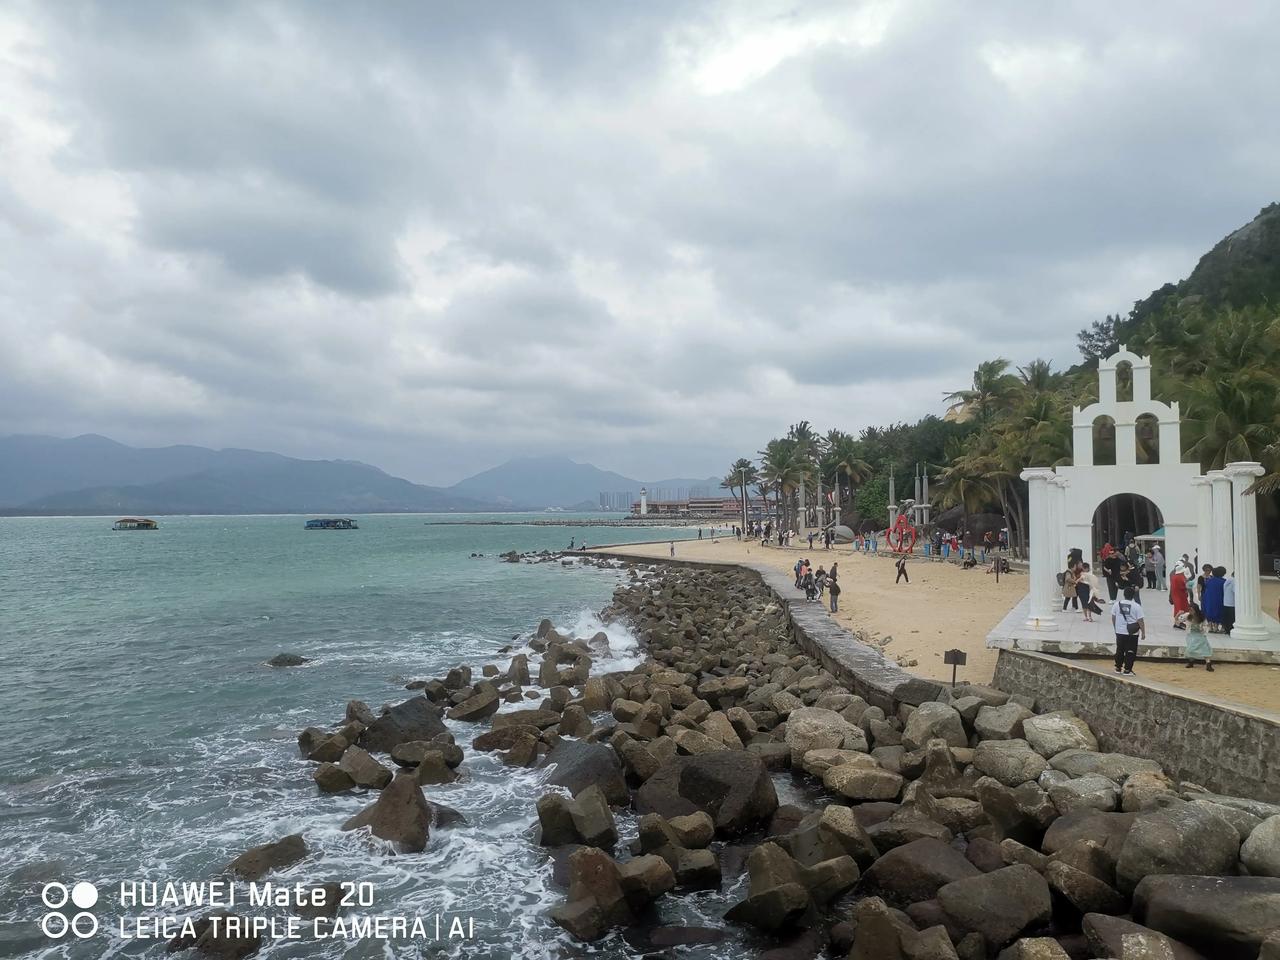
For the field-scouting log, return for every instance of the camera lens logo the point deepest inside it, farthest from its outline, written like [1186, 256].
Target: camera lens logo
[55, 924]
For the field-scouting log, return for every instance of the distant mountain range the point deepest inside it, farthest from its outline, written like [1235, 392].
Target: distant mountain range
[91, 474]
[560, 482]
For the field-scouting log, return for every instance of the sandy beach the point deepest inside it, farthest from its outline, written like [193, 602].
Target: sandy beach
[946, 607]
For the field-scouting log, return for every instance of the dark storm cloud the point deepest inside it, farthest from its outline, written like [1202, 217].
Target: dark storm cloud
[650, 234]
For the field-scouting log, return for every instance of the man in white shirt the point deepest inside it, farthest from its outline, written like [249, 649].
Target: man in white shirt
[1127, 620]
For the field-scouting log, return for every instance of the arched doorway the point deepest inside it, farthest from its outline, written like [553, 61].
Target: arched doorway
[1122, 517]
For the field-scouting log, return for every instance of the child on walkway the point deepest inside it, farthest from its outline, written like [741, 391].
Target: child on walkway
[1198, 647]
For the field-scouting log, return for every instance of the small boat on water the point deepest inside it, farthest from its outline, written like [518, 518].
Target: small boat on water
[332, 523]
[135, 523]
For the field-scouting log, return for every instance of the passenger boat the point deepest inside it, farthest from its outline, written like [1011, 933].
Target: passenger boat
[135, 523]
[332, 523]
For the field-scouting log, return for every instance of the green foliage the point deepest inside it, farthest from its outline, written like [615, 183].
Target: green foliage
[872, 500]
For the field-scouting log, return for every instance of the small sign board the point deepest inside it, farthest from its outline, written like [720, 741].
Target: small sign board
[957, 657]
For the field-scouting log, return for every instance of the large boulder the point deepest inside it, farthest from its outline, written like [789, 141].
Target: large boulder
[916, 870]
[1051, 733]
[415, 719]
[1011, 761]
[364, 770]
[812, 728]
[478, 707]
[934, 721]
[1001, 723]
[578, 764]
[1089, 792]
[1183, 839]
[1225, 918]
[1000, 905]
[1113, 766]
[1107, 936]
[1261, 852]
[862, 783]
[733, 786]
[256, 862]
[400, 815]
[1107, 829]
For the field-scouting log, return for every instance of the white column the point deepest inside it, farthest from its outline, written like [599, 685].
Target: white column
[803, 520]
[1204, 517]
[1043, 542]
[1249, 622]
[1060, 520]
[1221, 544]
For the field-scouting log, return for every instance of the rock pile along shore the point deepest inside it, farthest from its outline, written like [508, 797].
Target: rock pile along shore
[963, 828]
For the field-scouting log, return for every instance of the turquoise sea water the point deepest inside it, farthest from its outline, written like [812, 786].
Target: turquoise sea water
[143, 738]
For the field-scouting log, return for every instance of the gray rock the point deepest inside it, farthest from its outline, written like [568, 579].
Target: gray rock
[932, 721]
[400, 815]
[1052, 733]
[287, 660]
[733, 786]
[331, 778]
[1184, 840]
[861, 783]
[1000, 905]
[483, 704]
[1225, 918]
[577, 765]
[1012, 762]
[1091, 792]
[812, 728]
[414, 719]
[1001, 723]
[915, 871]
[256, 862]
[1083, 891]
[1034, 948]
[1106, 935]
[1113, 766]
[1261, 852]
[364, 770]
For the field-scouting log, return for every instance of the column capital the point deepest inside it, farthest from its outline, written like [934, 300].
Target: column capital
[1242, 469]
[1217, 476]
[1060, 481]
[1200, 481]
[1037, 473]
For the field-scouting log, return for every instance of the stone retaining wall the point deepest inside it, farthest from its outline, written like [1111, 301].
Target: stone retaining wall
[1226, 748]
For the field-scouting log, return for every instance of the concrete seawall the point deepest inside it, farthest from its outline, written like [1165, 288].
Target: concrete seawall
[1227, 748]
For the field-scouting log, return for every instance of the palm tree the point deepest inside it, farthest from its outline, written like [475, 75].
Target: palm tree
[992, 385]
[1231, 416]
[806, 442]
[1037, 377]
[963, 484]
[741, 474]
[784, 468]
[844, 465]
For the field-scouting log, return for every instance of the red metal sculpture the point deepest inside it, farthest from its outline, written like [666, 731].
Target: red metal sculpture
[901, 537]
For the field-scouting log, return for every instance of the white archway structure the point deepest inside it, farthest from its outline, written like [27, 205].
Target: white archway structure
[1167, 483]
[1207, 517]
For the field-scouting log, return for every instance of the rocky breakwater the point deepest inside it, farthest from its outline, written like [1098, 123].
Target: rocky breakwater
[962, 828]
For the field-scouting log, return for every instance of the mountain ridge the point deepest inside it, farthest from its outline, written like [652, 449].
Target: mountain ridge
[559, 481]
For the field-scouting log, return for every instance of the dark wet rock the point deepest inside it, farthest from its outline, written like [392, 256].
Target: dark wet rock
[532, 718]
[331, 778]
[329, 748]
[287, 660]
[577, 765]
[1001, 905]
[1085, 892]
[256, 862]
[1183, 839]
[414, 719]
[433, 769]
[915, 871]
[1225, 918]
[400, 815]
[483, 704]
[363, 769]
[585, 820]
[503, 738]
[1106, 936]
[217, 935]
[732, 786]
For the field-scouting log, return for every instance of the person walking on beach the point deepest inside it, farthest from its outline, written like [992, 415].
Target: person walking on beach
[1198, 647]
[902, 570]
[673, 548]
[1130, 626]
[833, 587]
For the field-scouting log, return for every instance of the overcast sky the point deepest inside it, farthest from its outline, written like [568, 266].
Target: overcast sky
[649, 235]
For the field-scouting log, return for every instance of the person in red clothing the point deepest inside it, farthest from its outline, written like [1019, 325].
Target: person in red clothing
[1107, 550]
